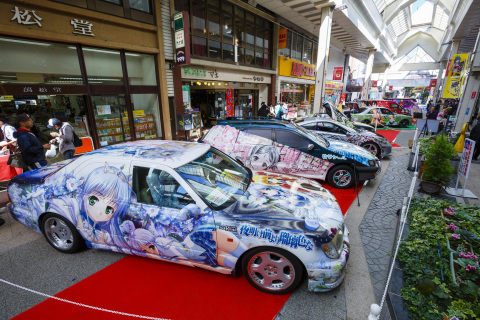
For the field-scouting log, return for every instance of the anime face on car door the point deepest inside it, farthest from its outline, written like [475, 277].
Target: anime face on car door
[164, 215]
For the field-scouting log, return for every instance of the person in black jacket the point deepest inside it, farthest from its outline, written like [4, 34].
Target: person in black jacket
[33, 153]
[263, 111]
[475, 135]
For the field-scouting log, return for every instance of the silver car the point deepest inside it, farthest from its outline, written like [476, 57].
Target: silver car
[334, 130]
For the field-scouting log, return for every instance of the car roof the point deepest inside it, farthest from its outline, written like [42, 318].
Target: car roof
[253, 122]
[170, 153]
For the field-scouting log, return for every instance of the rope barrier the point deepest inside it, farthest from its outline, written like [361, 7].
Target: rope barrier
[376, 309]
[80, 304]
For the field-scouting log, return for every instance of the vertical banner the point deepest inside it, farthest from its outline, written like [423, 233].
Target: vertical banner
[337, 73]
[433, 83]
[374, 83]
[282, 38]
[186, 96]
[229, 104]
[466, 159]
[182, 38]
[342, 98]
[390, 88]
[447, 71]
[456, 72]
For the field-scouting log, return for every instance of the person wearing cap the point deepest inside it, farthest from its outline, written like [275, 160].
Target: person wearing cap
[32, 150]
[64, 137]
[7, 134]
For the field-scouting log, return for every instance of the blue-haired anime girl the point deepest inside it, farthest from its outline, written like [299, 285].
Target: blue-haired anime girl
[103, 203]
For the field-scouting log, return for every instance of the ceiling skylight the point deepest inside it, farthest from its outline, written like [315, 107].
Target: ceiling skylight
[440, 20]
[399, 24]
[422, 12]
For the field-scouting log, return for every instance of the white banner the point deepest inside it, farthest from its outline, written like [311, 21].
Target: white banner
[466, 160]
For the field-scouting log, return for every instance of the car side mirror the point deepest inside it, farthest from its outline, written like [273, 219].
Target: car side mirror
[311, 146]
[238, 159]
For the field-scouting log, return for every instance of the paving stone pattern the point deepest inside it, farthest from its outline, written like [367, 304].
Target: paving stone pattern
[378, 227]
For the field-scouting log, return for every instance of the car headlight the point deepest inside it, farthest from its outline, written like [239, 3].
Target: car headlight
[334, 248]
[371, 163]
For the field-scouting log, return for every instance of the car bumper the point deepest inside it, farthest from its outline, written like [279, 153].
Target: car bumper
[330, 277]
[386, 151]
[10, 210]
[368, 173]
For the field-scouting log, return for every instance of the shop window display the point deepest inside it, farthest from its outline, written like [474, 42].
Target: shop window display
[141, 69]
[111, 119]
[146, 116]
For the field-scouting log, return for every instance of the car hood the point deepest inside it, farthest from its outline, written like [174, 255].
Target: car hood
[288, 202]
[350, 151]
[373, 135]
[39, 175]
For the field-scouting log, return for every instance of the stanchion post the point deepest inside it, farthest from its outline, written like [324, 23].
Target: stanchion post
[374, 312]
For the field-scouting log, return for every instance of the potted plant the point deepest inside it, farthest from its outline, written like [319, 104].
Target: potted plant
[438, 169]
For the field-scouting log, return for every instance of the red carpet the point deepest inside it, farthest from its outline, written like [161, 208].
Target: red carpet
[345, 197]
[390, 135]
[160, 289]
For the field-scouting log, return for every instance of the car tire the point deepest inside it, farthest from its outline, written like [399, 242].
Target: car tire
[341, 177]
[61, 234]
[404, 123]
[272, 270]
[373, 148]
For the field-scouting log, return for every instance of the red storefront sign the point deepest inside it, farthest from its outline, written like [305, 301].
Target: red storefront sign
[474, 94]
[337, 73]
[390, 88]
[433, 83]
[282, 38]
[374, 83]
[229, 106]
[342, 98]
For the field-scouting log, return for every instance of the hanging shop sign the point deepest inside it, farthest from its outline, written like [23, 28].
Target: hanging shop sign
[448, 68]
[282, 38]
[333, 85]
[374, 83]
[217, 74]
[390, 88]
[182, 38]
[474, 95]
[433, 83]
[456, 72]
[343, 96]
[337, 73]
[295, 68]
[229, 103]
[186, 96]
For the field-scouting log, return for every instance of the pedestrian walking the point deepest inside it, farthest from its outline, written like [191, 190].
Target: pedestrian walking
[263, 111]
[32, 150]
[64, 137]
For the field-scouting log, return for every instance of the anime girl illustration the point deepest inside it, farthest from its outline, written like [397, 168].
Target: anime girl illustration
[457, 66]
[377, 117]
[263, 157]
[104, 201]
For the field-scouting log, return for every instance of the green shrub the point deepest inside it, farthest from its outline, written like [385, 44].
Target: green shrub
[437, 166]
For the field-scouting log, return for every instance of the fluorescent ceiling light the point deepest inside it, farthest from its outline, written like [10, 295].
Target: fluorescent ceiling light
[26, 42]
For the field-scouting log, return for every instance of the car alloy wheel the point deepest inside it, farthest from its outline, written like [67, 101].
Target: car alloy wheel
[341, 177]
[61, 234]
[372, 148]
[404, 123]
[272, 270]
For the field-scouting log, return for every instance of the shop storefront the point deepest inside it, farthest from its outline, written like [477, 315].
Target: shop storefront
[208, 90]
[333, 91]
[296, 85]
[108, 95]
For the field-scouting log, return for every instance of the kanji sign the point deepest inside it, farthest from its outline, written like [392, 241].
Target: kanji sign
[26, 17]
[229, 104]
[182, 38]
[433, 83]
[81, 27]
[282, 38]
[390, 88]
[179, 39]
[474, 95]
[374, 83]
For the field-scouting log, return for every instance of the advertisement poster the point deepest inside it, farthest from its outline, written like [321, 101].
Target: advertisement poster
[466, 159]
[282, 38]
[104, 110]
[229, 104]
[433, 83]
[337, 73]
[456, 72]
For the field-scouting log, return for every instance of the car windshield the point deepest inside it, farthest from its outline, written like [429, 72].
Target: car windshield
[363, 109]
[216, 178]
[322, 142]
